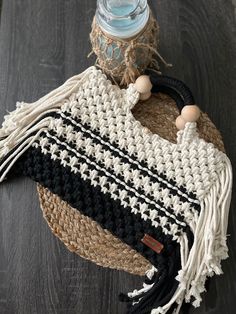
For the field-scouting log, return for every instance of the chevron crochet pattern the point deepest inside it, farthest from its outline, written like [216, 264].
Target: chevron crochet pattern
[82, 143]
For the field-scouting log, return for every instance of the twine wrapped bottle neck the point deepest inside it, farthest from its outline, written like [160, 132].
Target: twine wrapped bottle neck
[124, 55]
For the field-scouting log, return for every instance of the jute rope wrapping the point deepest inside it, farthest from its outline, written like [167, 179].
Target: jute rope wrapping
[84, 236]
[124, 60]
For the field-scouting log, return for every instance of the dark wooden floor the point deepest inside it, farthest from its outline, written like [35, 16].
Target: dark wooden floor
[41, 44]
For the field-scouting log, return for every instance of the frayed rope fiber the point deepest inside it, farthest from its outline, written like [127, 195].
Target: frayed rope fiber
[123, 60]
[82, 142]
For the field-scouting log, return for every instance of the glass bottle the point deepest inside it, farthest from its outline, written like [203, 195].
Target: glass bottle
[122, 18]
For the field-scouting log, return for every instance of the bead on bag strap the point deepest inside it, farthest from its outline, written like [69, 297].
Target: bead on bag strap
[152, 82]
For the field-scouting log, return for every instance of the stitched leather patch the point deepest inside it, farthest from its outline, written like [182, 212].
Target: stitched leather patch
[152, 243]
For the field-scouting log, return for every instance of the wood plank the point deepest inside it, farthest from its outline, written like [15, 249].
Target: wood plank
[41, 44]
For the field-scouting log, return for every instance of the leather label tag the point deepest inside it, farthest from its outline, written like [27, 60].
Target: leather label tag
[152, 243]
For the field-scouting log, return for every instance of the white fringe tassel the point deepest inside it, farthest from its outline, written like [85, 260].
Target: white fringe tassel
[209, 247]
[20, 125]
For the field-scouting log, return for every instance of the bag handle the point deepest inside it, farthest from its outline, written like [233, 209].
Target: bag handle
[173, 87]
[182, 95]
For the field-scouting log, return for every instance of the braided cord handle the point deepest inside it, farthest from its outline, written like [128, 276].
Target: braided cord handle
[176, 89]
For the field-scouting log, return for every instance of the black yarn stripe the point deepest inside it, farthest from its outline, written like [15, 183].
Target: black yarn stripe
[121, 187]
[92, 202]
[141, 163]
[119, 176]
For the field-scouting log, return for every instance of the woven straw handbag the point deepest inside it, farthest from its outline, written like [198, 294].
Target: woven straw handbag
[106, 179]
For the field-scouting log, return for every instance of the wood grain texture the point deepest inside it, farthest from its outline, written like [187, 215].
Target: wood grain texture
[42, 43]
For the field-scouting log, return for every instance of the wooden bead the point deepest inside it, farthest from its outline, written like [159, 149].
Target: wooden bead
[143, 84]
[190, 113]
[180, 123]
[145, 96]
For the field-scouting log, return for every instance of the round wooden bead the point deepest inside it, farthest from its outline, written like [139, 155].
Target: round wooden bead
[190, 113]
[145, 96]
[143, 84]
[180, 123]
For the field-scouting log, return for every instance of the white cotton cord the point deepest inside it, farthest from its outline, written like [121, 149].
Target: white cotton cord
[25, 113]
[20, 124]
[17, 153]
[209, 247]
[217, 203]
[227, 176]
[178, 297]
[188, 134]
[15, 136]
[177, 310]
[213, 247]
[140, 291]
[184, 252]
[149, 273]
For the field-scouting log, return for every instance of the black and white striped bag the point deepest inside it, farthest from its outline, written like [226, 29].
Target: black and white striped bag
[168, 201]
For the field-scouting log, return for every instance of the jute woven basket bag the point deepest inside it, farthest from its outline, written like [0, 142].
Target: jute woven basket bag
[84, 236]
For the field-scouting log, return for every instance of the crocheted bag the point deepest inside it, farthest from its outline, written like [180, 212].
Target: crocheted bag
[168, 201]
[86, 237]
